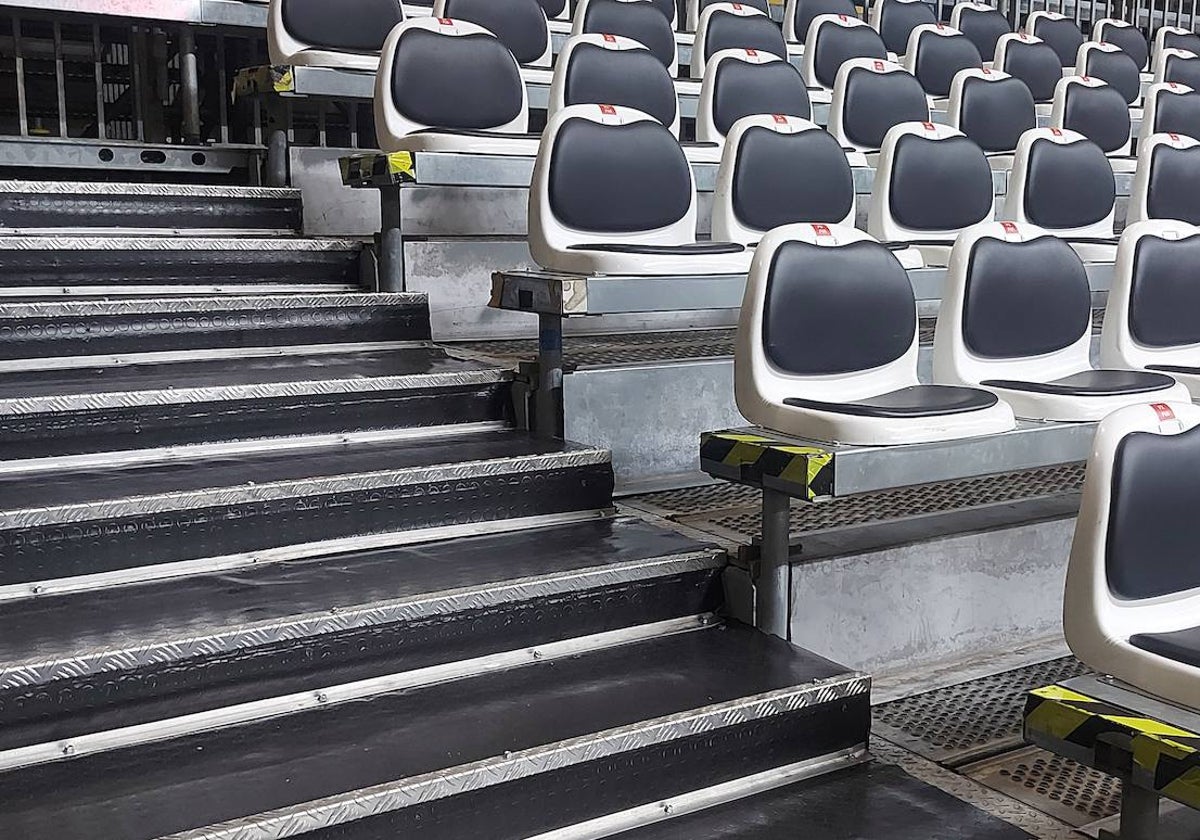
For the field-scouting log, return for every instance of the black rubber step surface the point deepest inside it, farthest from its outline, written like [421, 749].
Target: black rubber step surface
[158, 789]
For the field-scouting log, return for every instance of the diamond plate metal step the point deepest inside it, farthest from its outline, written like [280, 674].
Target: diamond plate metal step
[1054, 785]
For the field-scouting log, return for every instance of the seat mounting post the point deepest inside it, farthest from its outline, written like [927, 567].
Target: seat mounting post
[1139, 814]
[773, 586]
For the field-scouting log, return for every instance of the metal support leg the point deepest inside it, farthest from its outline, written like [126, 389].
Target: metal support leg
[391, 244]
[1139, 814]
[773, 589]
[548, 400]
[189, 92]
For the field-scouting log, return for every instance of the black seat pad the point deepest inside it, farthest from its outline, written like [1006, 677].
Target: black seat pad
[474, 132]
[1091, 383]
[1182, 645]
[688, 249]
[914, 401]
[1175, 368]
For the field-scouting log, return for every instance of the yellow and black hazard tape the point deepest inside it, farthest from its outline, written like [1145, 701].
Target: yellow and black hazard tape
[1170, 755]
[378, 169]
[749, 457]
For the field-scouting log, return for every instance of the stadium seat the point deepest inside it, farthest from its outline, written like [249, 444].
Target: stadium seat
[732, 26]
[612, 193]
[827, 347]
[613, 70]
[450, 86]
[1059, 31]
[798, 15]
[640, 20]
[666, 8]
[778, 170]
[1175, 38]
[347, 35]
[871, 96]
[993, 109]
[1032, 61]
[833, 40]
[738, 83]
[1182, 66]
[556, 9]
[895, 20]
[696, 7]
[1167, 182]
[1063, 183]
[1096, 110]
[1170, 107]
[1110, 63]
[932, 182]
[935, 53]
[519, 24]
[1150, 321]
[1016, 319]
[1126, 36]
[984, 25]
[1133, 582]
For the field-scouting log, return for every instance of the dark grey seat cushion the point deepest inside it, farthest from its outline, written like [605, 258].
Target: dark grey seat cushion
[689, 249]
[351, 25]
[1181, 646]
[1091, 383]
[914, 401]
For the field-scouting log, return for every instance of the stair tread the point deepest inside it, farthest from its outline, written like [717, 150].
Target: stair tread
[219, 473]
[187, 303]
[157, 789]
[196, 244]
[144, 190]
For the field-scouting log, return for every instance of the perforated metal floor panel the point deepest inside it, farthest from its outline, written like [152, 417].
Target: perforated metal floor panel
[1054, 785]
[972, 720]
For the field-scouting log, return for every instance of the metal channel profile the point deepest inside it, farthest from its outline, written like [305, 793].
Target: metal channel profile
[149, 291]
[197, 243]
[336, 810]
[19, 310]
[106, 188]
[109, 156]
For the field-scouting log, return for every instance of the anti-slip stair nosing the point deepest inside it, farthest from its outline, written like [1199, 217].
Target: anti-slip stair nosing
[41, 188]
[142, 291]
[61, 403]
[394, 796]
[174, 243]
[150, 505]
[404, 610]
[200, 303]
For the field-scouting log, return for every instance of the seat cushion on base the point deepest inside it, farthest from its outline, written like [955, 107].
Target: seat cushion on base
[1183, 369]
[689, 249]
[914, 401]
[1181, 645]
[1091, 383]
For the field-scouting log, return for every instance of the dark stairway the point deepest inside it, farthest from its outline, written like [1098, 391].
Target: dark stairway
[274, 565]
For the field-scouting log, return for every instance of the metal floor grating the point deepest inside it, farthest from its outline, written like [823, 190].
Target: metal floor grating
[623, 349]
[733, 511]
[1057, 786]
[972, 720]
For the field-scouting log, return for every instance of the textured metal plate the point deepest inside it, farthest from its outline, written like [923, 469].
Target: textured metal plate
[964, 722]
[172, 243]
[1057, 786]
[146, 190]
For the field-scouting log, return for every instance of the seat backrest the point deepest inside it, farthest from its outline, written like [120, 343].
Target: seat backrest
[556, 9]
[798, 15]
[1032, 61]
[1109, 62]
[1179, 66]
[779, 170]
[1061, 181]
[613, 70]
[640, 20]
[932, 182]
[1171, 108]
[606, 174]
[1130, 39]
[519, 24]
[828, 314]
[732, 26]
[1060, 32]
[869, 97]
[1095, 109]
[441, 73]
[1166, 184]
[355, 26]
[896, 19]
[739, 83]
[936, 53]
[991, 107]
[1016, 305]
[982, 23]
[833, 40]
[695, 8]
[667, 8]
[1174, 38]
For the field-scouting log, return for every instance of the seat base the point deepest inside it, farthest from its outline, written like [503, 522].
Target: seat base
[913, 401]
[367, 62]
[1189, 377]
[634, 259]
[703, 152]
[468, 142]
[1094, 250]
[1180, 646]
[1085, 396]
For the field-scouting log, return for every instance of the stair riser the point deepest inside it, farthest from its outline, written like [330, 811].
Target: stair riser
[546, 801]
[70, 433]
[176, 212]
[341, 656]
[39, 338]
[126, 541]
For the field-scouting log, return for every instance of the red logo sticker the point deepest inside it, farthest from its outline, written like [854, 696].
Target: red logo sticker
[737, 7]
[1172, 85]
[843, 18]
[1086, 79]
[878, 66]
[780, 119]
[1057, 132]
[1164, 411]
[987, 71]
[612, 39]
[1010, 228]
[822, 230]
[1174, 137]
[446, 21]
[608, 110]
[928, 126]
[752, 53]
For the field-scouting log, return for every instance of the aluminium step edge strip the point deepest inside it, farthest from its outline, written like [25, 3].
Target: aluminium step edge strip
[175, 243]
[21, 186]
[232, 638]
[394, 796]
[61, 403]
[156, 573]
[147, 290]
[157, 503]
[257, 711]
[135, 306]
[139, 232]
